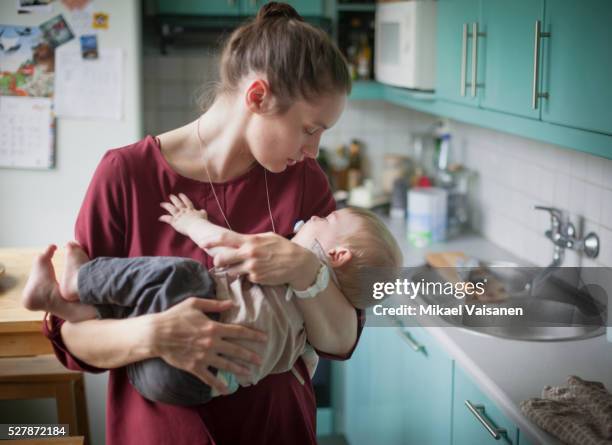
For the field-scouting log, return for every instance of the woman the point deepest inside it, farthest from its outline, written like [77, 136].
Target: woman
[249, 162]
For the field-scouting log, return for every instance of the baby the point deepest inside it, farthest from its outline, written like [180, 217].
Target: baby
[345, 241]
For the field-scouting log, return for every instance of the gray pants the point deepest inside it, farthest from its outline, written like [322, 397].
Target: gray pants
[129, 287]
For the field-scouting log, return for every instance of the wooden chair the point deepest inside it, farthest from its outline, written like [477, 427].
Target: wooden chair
[43, 376]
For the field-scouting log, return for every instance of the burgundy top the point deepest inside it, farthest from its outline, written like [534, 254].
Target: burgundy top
[119, 218]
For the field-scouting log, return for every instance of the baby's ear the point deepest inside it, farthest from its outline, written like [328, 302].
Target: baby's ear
[339, 256]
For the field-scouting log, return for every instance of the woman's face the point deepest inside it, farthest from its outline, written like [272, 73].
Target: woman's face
[280, 140]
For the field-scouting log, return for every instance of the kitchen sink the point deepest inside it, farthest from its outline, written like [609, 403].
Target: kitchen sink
[557, 311]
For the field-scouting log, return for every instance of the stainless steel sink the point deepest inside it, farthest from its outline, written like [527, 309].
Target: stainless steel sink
[557, 312]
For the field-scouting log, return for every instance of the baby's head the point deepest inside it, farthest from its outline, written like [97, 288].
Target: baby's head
[353, 240]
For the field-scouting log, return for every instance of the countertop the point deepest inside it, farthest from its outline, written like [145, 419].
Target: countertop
[509, 371]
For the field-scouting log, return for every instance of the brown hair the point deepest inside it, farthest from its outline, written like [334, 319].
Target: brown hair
[299, 60]
[371, 246]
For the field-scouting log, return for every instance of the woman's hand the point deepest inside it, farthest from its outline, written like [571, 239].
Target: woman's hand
[184, 337]
[266, 258]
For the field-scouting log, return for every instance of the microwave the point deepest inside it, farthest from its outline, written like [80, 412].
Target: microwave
[405, 44]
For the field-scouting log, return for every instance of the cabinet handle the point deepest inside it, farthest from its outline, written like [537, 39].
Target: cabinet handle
[416, 347]
[474, 56]
[231, 2]
[463, 57]
[479, 412]
[536, 64]
[253, 2]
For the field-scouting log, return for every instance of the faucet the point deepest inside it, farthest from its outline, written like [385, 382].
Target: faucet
[563, 235]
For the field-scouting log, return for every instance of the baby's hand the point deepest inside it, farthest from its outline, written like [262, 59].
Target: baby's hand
[181, 213]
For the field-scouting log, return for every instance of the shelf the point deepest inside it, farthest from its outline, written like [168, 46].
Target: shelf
[367, 90]
[356, 7]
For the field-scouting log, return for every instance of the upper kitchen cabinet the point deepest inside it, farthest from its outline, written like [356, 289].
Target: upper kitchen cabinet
[199, 7]
[304, 7]
[457, 70]
[510, 52]
[577, 65]
[232, 7]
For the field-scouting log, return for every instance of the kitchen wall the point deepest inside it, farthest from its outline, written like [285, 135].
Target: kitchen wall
[172, 86]
[40, 207]
[515, 173]
[512, 174]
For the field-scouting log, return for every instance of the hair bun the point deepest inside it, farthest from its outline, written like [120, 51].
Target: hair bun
[277, 10]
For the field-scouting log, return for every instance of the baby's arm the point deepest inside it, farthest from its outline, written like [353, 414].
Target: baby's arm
[185, 219]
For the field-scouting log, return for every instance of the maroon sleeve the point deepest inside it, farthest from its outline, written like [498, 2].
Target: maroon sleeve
[100, 229]
[319, 200]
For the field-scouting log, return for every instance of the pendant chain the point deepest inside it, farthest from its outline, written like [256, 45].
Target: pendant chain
[215, 193]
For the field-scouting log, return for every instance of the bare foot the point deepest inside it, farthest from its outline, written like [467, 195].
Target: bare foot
[42, 289]
[75, 258]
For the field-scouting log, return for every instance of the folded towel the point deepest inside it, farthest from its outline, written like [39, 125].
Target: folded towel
[578, 414]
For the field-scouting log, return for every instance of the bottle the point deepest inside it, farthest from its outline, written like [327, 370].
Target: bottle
[339, 163]
[354, 165]
[364, 59]
[351, 57]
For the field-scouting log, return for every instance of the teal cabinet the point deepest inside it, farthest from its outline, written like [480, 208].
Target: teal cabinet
[577, 65]
[199, 7]
[535, 68]
[233, 7]
[457, 57]
[398, 389]
[522, 440]
[428, 397]
[374, 388]
[475, 418]
[250, 7]
[508, 49]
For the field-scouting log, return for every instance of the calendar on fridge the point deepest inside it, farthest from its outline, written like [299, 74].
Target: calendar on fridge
[26, 132]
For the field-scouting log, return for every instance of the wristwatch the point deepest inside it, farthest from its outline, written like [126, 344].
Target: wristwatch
[319, 285]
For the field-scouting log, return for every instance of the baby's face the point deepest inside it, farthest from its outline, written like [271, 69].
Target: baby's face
[327, 230]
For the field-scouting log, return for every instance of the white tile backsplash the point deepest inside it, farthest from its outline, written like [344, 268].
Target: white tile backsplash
[540, 174]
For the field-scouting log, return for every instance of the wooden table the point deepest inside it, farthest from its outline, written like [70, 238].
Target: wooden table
[28, 368]
[20, 329]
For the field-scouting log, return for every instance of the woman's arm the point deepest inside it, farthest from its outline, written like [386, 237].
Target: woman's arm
[125, 341]
[183, 336]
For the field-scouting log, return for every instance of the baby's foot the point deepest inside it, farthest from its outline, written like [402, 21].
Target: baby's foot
[41, 289]
[75, 258]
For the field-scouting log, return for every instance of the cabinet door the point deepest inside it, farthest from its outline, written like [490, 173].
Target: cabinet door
[308, 7]
[468, 429]
[250, 7]
[303, 7]
[508, 55]
[577, 66]
[199, 7]
[398, 389]
[428, 393]
[375, 377]
[454, 50]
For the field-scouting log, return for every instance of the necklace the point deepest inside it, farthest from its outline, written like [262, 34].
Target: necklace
[215, 193]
